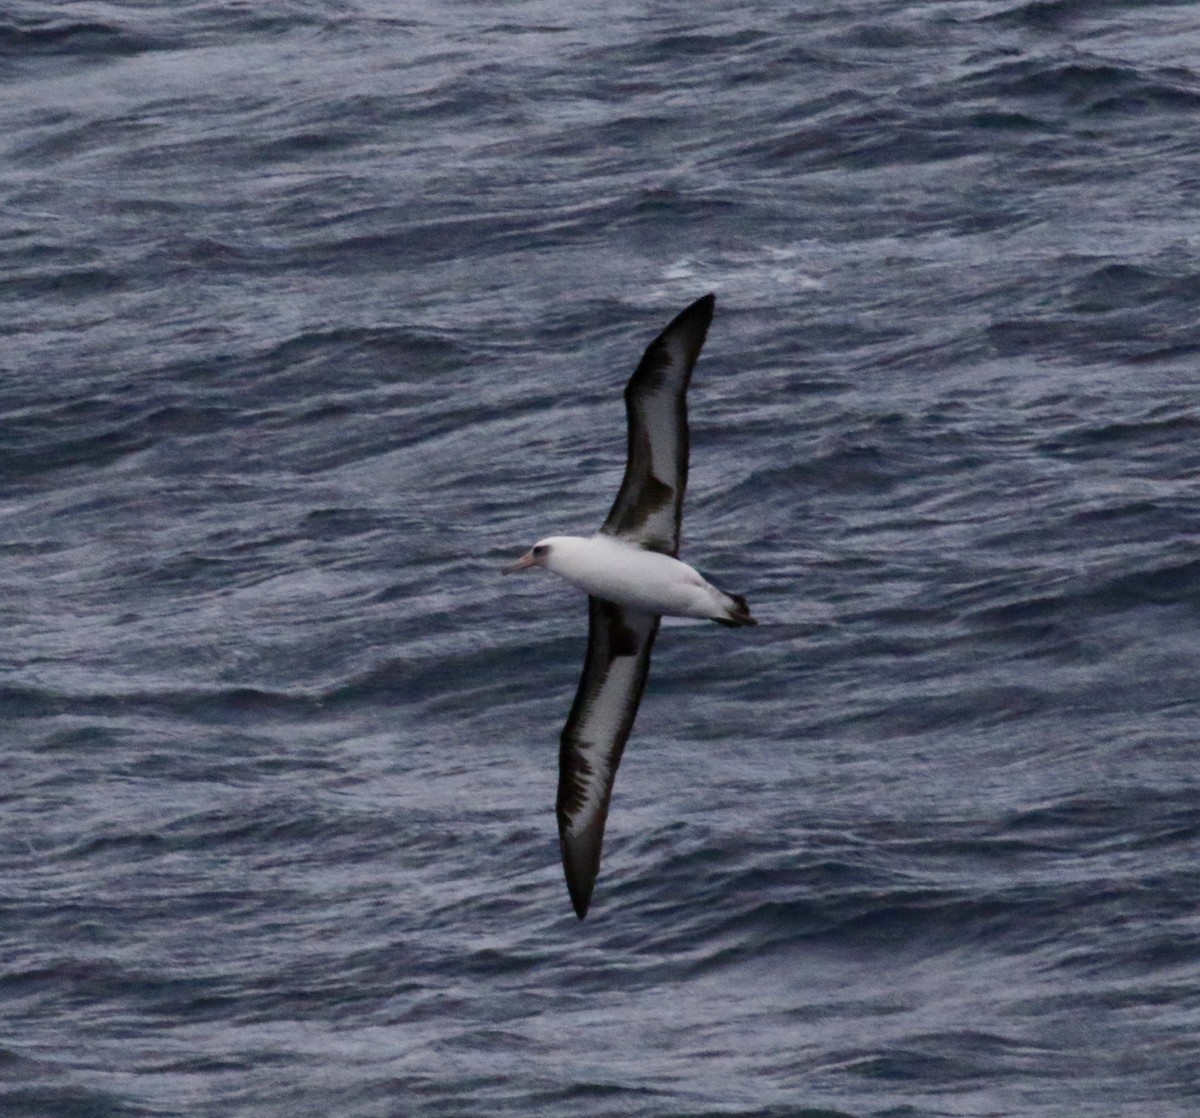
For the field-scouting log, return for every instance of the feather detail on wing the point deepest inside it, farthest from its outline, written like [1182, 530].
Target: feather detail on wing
[614, 674]
[649, 505]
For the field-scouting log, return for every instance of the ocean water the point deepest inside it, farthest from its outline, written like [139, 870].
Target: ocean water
[315, 312]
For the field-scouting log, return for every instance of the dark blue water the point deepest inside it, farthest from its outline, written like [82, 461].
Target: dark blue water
[313, 313]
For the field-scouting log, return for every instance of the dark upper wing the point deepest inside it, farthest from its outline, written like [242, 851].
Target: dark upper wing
[618, 658]
[649, 505]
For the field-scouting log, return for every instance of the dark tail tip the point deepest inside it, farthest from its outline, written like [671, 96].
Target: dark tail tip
[738, 615]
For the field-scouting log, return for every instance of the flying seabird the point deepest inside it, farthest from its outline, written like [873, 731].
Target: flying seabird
[632, 577]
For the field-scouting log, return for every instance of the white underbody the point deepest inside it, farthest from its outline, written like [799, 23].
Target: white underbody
[610, 568]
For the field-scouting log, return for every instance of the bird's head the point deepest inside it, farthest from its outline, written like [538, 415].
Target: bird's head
[536, 556]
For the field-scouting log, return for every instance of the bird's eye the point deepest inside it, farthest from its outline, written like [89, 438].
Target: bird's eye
[540, 550]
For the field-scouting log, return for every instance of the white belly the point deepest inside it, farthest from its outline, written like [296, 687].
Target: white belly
[620, 572]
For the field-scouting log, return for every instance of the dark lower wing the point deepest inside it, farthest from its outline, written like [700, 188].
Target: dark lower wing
[614, 674]
[649, 504]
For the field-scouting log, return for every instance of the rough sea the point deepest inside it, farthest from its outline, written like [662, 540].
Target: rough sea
[314, 313]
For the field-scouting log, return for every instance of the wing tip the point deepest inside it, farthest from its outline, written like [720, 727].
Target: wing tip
[580, 899]
[704, 306]
[581, 866]
[696, 316]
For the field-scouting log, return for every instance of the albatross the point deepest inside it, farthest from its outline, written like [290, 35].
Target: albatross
[632, 575]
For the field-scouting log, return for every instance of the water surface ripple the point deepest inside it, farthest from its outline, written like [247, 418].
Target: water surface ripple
[316, 311]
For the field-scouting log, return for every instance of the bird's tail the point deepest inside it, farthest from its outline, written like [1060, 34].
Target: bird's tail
[737, 612]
